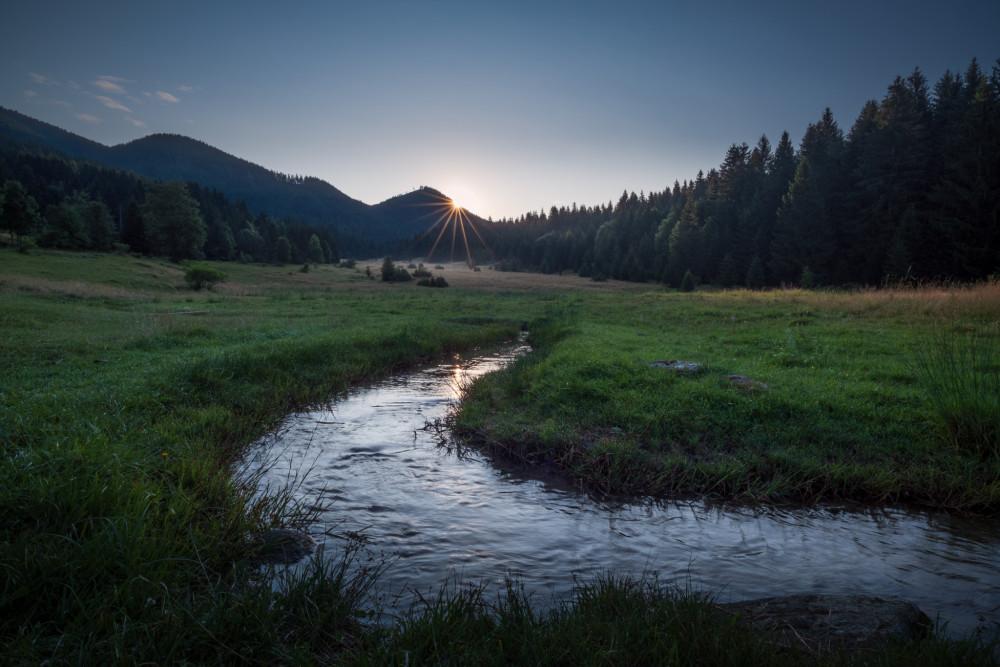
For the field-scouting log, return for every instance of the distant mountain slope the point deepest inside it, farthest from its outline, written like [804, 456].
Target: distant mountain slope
[175, 157]
[421, 209]
[171, 157]
[19, 130]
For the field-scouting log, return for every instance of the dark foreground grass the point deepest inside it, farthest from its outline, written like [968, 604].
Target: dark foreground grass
[125, 397]
[614, 620]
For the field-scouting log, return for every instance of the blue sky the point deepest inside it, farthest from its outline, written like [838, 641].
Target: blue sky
[506, 106]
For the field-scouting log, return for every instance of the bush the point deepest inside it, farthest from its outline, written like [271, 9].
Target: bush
[25, 244]
[433, 282]
[347, 264]
[199, 275]
[401, 275]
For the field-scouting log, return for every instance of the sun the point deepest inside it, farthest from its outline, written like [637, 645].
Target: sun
[451, 216]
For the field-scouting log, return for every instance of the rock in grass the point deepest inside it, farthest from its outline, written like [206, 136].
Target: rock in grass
[679, 366]
[824, 623]
[284, 546]
[744, 383]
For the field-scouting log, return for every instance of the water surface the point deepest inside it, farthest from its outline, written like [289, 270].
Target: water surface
[375, 464]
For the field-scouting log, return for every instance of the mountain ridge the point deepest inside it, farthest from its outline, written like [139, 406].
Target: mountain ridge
[166, 157]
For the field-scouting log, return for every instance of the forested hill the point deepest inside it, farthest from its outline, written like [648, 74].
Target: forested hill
[911, 191]
[424, 207]
[168, 157]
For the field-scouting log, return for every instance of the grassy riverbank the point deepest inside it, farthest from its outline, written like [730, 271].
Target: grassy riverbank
[124, 396]
[845, 410]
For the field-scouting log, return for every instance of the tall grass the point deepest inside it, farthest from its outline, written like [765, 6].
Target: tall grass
[960, 372]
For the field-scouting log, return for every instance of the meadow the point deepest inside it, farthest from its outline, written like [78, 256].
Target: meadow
[125, 396]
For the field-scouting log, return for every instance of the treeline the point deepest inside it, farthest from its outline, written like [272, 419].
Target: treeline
[52, 201]
[911, 192]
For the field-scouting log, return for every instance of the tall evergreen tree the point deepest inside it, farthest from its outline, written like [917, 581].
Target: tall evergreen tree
[968, 193]
[174, 224]
[20, 212]
[133, 232]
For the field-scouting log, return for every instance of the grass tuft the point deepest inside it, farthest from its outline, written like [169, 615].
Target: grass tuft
[960, 372]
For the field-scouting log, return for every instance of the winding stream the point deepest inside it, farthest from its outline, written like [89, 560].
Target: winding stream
[370, 459]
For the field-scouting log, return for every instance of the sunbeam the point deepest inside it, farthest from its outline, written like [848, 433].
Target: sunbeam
[450, 215]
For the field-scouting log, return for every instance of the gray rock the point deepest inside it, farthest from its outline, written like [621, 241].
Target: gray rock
[679, 366]
[284, 546]
[748, 384]
[824, 623]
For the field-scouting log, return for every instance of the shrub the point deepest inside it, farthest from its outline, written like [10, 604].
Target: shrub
[433, 282]
[199, 275]
[401, 275]
[687, 282]
[347, 264]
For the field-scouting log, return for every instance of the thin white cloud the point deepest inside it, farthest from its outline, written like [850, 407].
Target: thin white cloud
[109, 86]
[112, 104]
[137, 123]
[86, 117]
[185, 89]
[42, 80]
[30, 94]
[167, 97]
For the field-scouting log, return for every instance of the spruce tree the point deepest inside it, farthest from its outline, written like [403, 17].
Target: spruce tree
[315, 250]
[283, 250]
[174, 224]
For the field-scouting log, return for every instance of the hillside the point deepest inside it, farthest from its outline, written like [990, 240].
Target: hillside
[174, 157]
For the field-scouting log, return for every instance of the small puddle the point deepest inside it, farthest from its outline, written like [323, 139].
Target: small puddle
[370, 458]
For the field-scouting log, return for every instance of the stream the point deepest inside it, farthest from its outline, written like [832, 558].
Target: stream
[370, 461]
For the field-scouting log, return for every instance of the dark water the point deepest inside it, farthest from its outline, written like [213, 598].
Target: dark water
[451, 518]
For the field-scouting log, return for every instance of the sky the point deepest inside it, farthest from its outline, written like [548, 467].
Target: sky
[507, 107]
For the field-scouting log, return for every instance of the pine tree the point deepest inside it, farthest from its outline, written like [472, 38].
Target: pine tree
[315, 250]
[174, 224]
[755, 274]
[685, 243]
[133, 231]
[283, 250]
[388, 270]
[20, 212]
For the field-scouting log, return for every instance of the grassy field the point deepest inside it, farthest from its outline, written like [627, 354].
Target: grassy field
[124, 396]
[842, 408]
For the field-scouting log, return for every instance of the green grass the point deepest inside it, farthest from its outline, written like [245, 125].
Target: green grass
[125, 397]
[847, 415]
[961, 372]
[613, 620]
